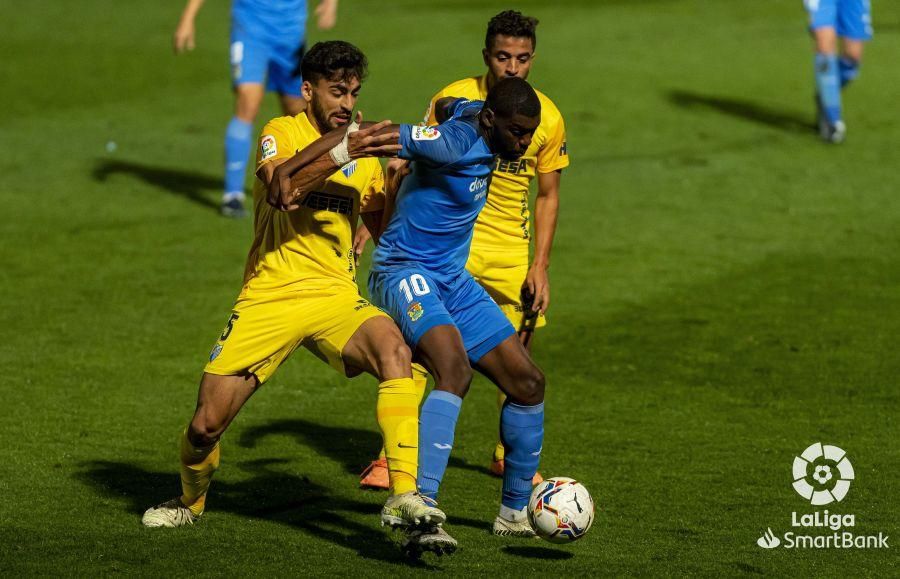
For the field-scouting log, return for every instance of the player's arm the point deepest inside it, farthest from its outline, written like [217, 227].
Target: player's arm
[546, 213]
[442, 108]
[288, 183]
[552, 158]
[183, 39]
[326, 14]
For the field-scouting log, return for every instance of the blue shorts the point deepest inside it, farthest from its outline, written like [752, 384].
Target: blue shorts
[418, 302]
[850, 18]
[272, 60]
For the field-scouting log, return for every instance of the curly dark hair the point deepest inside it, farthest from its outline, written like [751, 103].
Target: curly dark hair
[511, 96]
[334, 60]
[511, 23]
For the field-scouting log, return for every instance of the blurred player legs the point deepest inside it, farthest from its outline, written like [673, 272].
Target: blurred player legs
[839, 29]
[267, 41]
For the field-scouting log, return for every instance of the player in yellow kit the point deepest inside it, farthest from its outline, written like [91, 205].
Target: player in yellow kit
[300, 287]
[499, 257]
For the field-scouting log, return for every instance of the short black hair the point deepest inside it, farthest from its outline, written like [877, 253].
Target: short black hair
[512, 96]
[334, 60]
[511, 23]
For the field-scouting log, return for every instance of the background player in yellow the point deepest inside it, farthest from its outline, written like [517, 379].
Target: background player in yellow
[499, 258]
[300, 288]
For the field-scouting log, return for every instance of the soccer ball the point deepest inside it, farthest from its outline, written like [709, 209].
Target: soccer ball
[560, 510]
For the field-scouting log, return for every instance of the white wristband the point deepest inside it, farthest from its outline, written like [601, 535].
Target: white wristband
[339, 153]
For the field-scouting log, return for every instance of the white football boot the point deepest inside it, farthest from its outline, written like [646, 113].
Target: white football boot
[504, 527]
[411, 510]
[169, 514]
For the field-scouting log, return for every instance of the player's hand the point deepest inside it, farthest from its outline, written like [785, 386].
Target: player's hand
[395, 171]
[326, 14]
[359, 241]
[183, 39]
[368, 143]
[280, 194]
[537, 284]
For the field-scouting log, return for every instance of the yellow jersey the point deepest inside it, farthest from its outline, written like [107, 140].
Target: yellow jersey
[311, 246]
[504, 223]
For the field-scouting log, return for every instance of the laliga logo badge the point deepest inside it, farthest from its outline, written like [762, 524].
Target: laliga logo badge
[822, 474]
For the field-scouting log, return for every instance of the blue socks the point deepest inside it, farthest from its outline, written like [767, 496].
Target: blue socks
[522, 433]
[436, 427]
[849, 70]
[237, 150]
[828, 85]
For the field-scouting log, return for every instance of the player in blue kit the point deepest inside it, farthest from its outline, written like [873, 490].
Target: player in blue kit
[267, 45]
[849, 21]
[418, 276]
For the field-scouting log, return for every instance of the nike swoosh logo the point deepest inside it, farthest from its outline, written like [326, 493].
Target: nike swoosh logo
[401, 445]
[440, 446]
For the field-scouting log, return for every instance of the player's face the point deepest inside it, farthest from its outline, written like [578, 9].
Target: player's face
[509, 56]
[510, 137]
[331, 101]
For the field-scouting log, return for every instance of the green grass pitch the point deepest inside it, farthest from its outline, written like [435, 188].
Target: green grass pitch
[726, 291]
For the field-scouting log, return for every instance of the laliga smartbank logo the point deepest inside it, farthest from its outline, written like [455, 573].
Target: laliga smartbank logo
[822, 475]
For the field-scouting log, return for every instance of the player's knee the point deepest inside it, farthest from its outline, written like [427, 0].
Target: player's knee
[206, 429]
[455, 378]
[394, 359]
[531, 387]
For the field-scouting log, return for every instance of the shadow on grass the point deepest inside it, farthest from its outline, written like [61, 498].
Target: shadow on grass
[534, 552]
[743, 109]
[188, 184]
[461, 463]
[353, 448]
[269, 494]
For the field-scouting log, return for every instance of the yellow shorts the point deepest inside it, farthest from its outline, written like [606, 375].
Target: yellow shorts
[265, 327]
[502, 275]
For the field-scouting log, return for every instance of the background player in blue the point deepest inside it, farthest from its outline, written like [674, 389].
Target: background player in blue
[849, 21]
[267, 44]
[418, 276]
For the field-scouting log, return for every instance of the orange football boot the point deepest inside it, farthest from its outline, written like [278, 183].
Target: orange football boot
[497, 467]
[376, 476]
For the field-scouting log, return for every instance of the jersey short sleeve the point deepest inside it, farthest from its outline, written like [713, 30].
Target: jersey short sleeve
[442, 144]
[554, 155]
[438, 145]
[275, 142]
[371, 199]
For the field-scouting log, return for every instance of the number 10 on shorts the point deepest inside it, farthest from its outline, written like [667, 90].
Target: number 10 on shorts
[414, 285]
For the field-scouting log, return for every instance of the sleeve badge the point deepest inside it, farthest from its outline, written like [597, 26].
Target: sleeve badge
[267, 147]
[420, 133]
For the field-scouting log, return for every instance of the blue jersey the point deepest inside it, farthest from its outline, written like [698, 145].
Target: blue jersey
[438, 203]
[270, 18]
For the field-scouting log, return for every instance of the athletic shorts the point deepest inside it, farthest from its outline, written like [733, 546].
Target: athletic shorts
[502, 275]
[417, 302]
[850, 18]
[271, 60]
[265, 327]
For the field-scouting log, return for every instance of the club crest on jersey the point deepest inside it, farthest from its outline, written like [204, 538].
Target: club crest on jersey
[217, 349]
[349, 169]
[415, 311]
[420, 133]
[267, 147]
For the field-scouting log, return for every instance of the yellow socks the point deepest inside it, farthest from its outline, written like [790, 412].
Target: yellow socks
[499, 451]
[197, 468]
[420, 380]
[397, 410]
